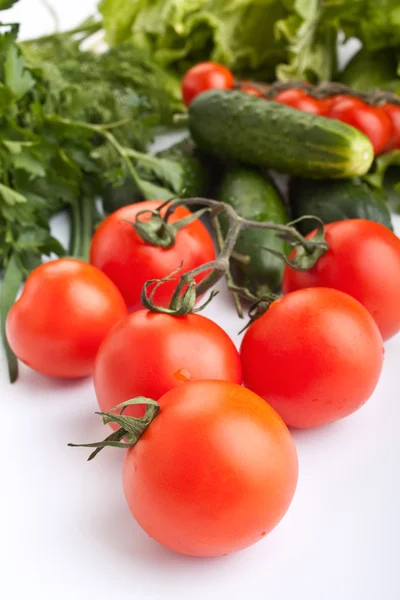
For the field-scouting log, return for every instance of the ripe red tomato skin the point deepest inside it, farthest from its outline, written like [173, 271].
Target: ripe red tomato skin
[65, 311]
[252, 90]
[301, 100]
[147, 354]
[315, 356]
[196, 471]
[129, 262]
[363, 260]
[370, 120]
[393, 112]
[205, 76]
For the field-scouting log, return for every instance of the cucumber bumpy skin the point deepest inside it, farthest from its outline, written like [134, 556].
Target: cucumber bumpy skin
[238, 126]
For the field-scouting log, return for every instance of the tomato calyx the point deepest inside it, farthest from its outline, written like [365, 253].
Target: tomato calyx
[156, 231]
[131, 428]
[258, 304]
[184, 298]
[306, 254]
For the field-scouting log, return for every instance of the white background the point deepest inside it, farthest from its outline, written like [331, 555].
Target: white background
[67, 534]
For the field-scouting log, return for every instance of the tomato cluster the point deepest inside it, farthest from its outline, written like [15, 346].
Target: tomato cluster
[381, 124]
[218, 453]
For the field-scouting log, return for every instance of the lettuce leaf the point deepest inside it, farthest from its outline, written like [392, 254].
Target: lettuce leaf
[250, 36]
[284, 39]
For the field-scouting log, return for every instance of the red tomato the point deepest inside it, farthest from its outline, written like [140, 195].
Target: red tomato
[129, 262]
[363, 260]
[315, 356]
[339, 97]
[205, 76]
[393, 112]
[252, 90]
[66, 309]
[147, 354]
[302, 101]
[370, 120]
[214, 472]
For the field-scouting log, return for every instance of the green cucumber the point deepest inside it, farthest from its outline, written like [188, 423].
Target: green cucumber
[195, 169]
[238, 126]
[256, 198]
[195, 175]
[336, 201]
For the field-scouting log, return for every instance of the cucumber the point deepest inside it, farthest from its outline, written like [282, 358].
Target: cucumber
[336, 201]
[255, 197]
[196, 176]
[195, 170]
[115, 197]
[263, 133]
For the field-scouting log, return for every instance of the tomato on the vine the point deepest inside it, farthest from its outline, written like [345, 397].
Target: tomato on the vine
[252, 90]
[370, 120]
[129, 261]
[205, 76]
[149, 353]
[213, 473]
[393, 112]
[299, 99]
[66, 309]
[363, 260]
[315, 356]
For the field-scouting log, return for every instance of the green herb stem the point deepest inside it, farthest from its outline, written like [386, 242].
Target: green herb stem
[12, 281]
[87, 214]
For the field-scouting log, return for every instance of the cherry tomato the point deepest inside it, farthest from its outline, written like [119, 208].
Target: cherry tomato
[370, 120]
[393, 112]
[205, 76]
[66, 309]
[363, 260]
[147, 354]
[214, 472]
[302, 101]
[315, 356]
[129, 262]
[252, 90]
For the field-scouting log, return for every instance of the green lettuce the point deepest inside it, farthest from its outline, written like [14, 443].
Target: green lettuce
[284, 39]
[250, 36]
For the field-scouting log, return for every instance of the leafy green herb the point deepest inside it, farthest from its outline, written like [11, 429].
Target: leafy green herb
[71, 122]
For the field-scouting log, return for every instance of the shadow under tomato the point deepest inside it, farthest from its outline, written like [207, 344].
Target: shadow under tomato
[29, 377]
[114, 527]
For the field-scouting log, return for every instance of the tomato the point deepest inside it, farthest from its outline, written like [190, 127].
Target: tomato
[214, 472]
[315, 356]
[66, 309]
[393, 112]
[252, 90]
[370, 120]
[363, 260]
[129, 262]
[147, 354]
[302, 101]
[205, 76]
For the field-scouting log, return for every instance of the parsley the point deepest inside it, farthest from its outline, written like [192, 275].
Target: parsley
[71, 123]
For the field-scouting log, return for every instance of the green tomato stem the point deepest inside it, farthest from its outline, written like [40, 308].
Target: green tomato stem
[130, 428]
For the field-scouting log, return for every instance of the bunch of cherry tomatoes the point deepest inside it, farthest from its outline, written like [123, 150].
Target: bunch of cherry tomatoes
[381, 124]
[217, 468]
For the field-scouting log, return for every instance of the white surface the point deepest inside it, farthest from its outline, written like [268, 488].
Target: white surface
[67, 534]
